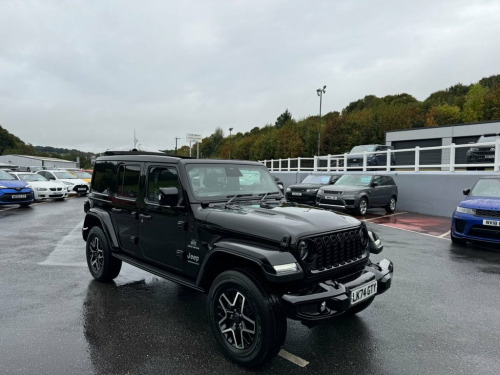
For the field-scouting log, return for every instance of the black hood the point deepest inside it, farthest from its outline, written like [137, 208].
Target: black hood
[275, 223]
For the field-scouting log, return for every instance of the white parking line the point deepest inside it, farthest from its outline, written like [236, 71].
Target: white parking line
[442, 236]
[379, 217]
[293, 358]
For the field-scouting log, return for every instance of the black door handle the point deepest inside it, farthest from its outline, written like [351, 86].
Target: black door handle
[117, 210]
[145, 217]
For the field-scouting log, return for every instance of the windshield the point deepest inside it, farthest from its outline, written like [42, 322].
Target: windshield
[82, 174]
[362, 148]
[65, 175]
[486, 187]
[312, 179]
[354, 180]
[31, 177]
[5, 176]
[227, 180]
[488, 138]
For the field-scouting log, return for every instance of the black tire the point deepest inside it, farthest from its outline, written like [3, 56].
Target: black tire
[362, 207]
[102, 265]
[246, 318]
[390, 207]
[359, 307]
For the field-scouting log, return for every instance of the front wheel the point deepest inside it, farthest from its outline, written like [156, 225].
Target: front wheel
[362, 207]
[102, 265]
[246, 318]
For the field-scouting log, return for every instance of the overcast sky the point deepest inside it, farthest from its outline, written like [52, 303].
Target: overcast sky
[84, 74]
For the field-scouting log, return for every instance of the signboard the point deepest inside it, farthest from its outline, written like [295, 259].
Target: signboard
[190, 137]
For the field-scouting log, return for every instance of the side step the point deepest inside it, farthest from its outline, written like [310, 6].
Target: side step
[158, 271]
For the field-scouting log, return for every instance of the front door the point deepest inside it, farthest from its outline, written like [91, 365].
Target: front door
[162, 237]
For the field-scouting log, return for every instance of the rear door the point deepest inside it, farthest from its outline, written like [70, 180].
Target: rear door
[125, 208]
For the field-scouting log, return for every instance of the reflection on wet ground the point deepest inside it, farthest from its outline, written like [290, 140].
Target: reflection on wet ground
[436, 226]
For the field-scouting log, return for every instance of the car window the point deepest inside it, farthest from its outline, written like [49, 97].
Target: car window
[64, 175]
[104, 178]
[354, 180]
[5, 176]
[128, 181]
[160, 177]
[31, 177]
[315, 179]
[362, 148]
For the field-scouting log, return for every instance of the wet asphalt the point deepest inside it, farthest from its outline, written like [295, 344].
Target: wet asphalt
[441, 316]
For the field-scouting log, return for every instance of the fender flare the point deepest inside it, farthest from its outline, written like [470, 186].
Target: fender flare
[252, 254]
[105, 222]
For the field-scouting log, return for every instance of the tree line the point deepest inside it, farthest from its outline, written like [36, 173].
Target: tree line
[364, 121]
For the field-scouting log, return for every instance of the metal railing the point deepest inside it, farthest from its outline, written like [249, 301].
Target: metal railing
[444, 158]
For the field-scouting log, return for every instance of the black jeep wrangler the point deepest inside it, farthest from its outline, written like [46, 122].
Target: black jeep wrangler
[222, 227]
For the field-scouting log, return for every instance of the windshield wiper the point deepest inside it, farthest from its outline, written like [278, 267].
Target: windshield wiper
[268, 193]
[228, 203]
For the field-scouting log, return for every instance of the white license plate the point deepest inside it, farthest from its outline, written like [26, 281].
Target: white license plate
[491, 223]
[81, 189]
[298, 194]
[363, 292]
[19, 196]
[489, 156]
[331, 197]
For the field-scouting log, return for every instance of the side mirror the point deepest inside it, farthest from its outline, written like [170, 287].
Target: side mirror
[374, 184]
[375, 244]
[169, 196]
[466, 191]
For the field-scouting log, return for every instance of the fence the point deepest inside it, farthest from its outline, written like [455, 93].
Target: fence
[444, 158]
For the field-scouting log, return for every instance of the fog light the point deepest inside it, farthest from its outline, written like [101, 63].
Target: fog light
[322, 308]
[284, 268]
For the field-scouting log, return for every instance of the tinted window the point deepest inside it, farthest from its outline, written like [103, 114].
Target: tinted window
[160, 177]
[104, 178]
[128, 181]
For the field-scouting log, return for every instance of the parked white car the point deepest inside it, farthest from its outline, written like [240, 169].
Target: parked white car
[43, 188]
[74, 184]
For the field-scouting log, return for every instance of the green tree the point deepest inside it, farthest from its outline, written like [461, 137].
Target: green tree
[283, 119]
[474, 104]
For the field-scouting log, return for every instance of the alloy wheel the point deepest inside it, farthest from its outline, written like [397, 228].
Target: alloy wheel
[96, 255]
[236, 319]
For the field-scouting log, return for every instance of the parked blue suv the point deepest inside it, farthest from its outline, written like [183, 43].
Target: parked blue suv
[14, 191]
[477, 217]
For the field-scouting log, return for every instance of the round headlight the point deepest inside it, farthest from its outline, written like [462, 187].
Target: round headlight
[288, 189]
[303, 248]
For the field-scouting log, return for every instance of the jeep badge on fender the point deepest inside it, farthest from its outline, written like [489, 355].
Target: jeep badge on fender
[221, 227]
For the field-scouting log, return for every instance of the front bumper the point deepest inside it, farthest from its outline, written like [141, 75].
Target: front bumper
[471, 228]
[13, 196]
[304, 197]
[310, 308]
[348, 202]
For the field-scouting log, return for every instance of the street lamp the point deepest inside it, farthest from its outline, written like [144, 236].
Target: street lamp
[230, 130]
[320, 93]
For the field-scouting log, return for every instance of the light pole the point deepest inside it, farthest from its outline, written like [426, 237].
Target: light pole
[230, 130]
[320, 93]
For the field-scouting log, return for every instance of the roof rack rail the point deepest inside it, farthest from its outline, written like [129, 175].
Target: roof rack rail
[138, 152]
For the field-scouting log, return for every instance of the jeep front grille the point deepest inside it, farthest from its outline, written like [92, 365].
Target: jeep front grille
[339, 249]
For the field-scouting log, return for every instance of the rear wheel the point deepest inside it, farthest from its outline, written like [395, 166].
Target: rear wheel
[391, 205]
[102, 265]
[246, 318]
